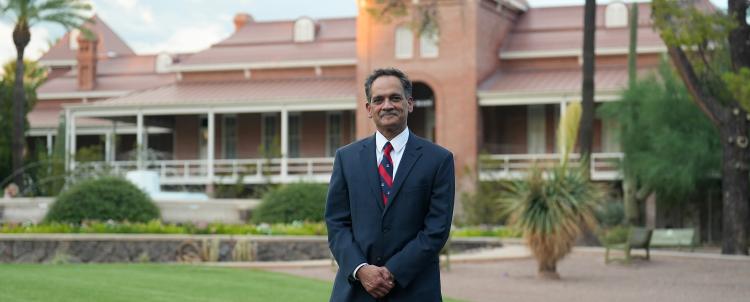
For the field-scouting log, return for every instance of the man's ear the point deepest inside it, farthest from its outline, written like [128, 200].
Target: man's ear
[369, 110]
[410, 103]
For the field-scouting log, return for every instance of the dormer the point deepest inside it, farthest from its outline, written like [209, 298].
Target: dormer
[304, 30]
[616, 15]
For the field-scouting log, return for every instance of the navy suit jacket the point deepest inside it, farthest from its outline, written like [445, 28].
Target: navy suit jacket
[405, 236]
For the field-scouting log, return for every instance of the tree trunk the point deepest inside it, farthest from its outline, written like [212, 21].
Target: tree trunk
[548, 270]
[735, 181]
[586, 129]
[21, 37]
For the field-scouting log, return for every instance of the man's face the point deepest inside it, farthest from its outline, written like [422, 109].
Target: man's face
[388, 107]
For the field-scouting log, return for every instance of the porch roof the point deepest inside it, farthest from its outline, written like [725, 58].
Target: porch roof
[250, 92]
[554, 80]
[49, 118]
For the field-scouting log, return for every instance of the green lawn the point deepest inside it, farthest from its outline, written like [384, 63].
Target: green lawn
[152, 282]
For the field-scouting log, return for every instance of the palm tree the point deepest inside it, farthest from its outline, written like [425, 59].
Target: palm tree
[587, 120]
[552, 207]
[25, 14]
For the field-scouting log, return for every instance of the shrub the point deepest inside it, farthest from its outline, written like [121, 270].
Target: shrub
[292, 202]
[106, 198]
[483, 206]
[611, 213]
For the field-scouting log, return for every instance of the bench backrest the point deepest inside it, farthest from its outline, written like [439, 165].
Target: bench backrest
[639, 237]
[673, 237]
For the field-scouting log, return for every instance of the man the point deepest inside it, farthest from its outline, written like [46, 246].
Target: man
[390, 203]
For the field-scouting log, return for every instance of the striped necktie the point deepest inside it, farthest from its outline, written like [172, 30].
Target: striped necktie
[385, 170]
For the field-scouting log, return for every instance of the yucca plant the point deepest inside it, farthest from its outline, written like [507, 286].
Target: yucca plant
[552, 207]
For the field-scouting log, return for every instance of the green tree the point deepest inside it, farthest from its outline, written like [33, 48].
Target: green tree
[34, 76]
[670, 147]
[24, 14]
[711, 52]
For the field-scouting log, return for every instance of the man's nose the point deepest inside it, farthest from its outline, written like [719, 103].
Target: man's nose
[388, 103]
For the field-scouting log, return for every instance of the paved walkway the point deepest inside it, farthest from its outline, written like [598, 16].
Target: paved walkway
[508, 274]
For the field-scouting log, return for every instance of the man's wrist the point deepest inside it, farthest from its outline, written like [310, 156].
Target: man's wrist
[354, 274]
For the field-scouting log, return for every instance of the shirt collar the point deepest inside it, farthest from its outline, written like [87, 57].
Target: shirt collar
[398, 142]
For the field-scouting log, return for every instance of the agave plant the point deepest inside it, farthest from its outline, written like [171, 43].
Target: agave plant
[552, 207]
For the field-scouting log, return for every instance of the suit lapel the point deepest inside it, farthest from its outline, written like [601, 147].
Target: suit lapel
[369, 166]
[411, 154]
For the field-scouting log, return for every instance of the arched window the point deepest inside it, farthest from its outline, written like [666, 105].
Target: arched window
[163, 62]
[429, 44]
[73, 42]
[616, 15]
[304, 30]
[404, 42]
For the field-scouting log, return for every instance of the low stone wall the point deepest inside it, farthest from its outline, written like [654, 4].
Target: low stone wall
[33, 210]
[38, 248]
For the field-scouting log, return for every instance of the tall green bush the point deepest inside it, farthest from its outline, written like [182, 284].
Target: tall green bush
[103, 199]
[292, 202]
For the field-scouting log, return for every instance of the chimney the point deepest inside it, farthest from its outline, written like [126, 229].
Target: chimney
[86, 62]
[241, 19]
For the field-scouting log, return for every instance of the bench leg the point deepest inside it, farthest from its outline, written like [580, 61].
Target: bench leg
[648, 254]
[627, 255]
[606, 255]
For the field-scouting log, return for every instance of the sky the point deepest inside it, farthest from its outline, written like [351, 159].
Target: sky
[153, 26]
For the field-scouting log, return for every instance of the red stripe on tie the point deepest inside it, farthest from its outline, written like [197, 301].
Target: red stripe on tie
[385, 175]
[385, 199]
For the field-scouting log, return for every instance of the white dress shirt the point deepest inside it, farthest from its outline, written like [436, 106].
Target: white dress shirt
[399, 144]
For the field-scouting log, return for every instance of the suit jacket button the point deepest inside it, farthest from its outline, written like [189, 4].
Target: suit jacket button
[385, 230]
[378, 259]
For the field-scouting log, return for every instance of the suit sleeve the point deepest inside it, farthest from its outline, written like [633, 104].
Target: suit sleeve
[420, 251]
[339, 222]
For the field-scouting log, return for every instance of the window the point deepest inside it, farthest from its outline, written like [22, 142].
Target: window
[229, 136]
[616, 15]
[294, 134]
[428, 44]
[536, 136]
[610, 136]
[269, 137]
[203, 137]
[404, 42]
[333, 133]
[304, 30]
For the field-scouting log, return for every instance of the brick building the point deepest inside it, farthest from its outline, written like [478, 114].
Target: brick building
[273, 101]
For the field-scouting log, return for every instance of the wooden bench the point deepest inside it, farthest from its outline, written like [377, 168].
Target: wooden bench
[638, 238]
[674, 238]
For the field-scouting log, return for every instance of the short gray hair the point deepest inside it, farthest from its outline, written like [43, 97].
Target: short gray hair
[405, 82]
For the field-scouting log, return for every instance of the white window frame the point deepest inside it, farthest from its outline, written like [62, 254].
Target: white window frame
[295, 134]
[266, 147]
[226, 139]
[330, 148]
[429, 44]
[616, 15]
[404, 42]
[536, 129]
[304, 30]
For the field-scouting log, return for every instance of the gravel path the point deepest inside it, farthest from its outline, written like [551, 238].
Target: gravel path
[585, 278]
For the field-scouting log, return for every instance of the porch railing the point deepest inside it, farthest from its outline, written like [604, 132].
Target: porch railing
[228, 171]
[604, 166]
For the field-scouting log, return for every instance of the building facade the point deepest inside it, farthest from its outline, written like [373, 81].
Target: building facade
[273, 101]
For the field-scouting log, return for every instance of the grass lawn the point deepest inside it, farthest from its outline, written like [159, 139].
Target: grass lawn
[152, 282]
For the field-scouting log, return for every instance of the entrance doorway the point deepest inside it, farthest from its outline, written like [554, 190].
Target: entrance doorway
[422, 119]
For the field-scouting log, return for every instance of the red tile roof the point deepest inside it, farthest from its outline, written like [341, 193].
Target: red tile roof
[561, 28]
[274, 42]
[244, 92]
[109, 43]
[555, 80]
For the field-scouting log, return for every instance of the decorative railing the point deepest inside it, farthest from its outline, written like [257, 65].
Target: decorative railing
[604, 166]
[227, 171]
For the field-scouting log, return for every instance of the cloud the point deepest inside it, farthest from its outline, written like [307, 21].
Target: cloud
[186, 39]
[127, 4]
[147, 15]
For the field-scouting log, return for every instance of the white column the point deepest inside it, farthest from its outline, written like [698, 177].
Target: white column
[284, 142]
[108, 147]
[210, 147]
[139, 140]
[66, 136]
[72, 151]
[50, 145]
